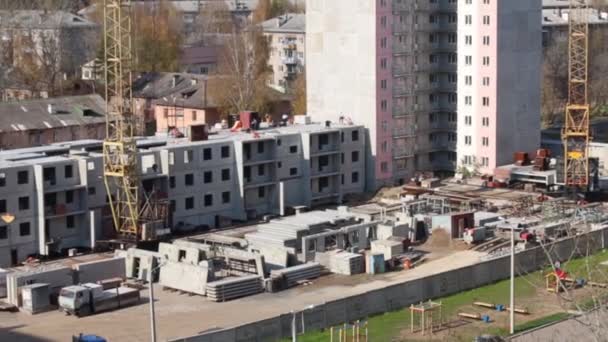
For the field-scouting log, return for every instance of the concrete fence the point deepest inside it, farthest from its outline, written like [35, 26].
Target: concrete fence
[401, 295]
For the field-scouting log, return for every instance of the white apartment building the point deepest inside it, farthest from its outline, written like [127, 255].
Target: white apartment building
[286, 35]
[57, 196]
[499, 81]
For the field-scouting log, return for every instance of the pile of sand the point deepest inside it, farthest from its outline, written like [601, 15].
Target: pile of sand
[439, 238]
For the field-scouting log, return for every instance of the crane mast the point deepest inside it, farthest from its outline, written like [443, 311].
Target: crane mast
[120, 158]
[576, 124]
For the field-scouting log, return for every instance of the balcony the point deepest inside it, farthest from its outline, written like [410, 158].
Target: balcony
[290, 60]
[441, 6]
[434, 146]
[61, 210]
[327, 170]
[404, 132]
[443, 165]
[443, 125]
[402, 152]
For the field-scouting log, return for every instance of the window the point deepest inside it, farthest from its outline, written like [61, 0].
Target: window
[293, 149]
[486, 40]
[383, 43]
[2, 206]
[486, 81]
[225, 152]
[355, 135]
[172, 182]
[384, 146]
[383, 105]
[2, 179]
[188, 156]
[468, 40]
[189, 179]
[467, 140]
[261, 192]
[226, 197]
[24, 203]
[485, 121]
[342, 158]
[433, 58]
[384, 167]
[189, 203]
[468, 60]
[225, 174]
[166, 112]
[468, 19]
[193, 115]
[486, 20]
[68, 171]
[172, 206]
[383, 63]
[208, 200]
[92, 190]
[468, 80]
[354, 177]
[279, 142]
[485, 141]
[452, 58]
[293, 171]
[207, 177]
[354, 156]
[485, 161]
[485, 101]
[383, 84]
[69, 196]
[468, 100]
[24, 229]
[22, 177]
[69, 222]
[261, 147]
[3, 232]
[452, 78]
[468, 120]
[486, 60]
[207, 155]
[261, 170]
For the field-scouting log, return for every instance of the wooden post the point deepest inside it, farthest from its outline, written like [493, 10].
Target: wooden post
[340, 334]
[366, 340]
[331, 334]
[412, 318]
[422, 324]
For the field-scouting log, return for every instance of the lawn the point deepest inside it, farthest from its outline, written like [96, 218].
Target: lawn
[391, 325]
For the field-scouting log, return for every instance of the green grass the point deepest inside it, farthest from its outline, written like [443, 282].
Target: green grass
[386, 327]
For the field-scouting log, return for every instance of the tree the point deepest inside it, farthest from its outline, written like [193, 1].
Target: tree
[240, 80]
[214, 20]
[157, 37]
[555, 82]
[268, 9]
[299, 93]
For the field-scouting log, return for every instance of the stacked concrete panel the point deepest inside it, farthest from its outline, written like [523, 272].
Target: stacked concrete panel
[93, 271]
[185, 277]
[347, 263]
[56, 277]
[389, 248]
[228, 289]
[294, 275]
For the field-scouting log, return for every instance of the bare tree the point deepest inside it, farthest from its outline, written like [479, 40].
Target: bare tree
[240, 83]
[213, 22]
[555, 82]
[299, 93]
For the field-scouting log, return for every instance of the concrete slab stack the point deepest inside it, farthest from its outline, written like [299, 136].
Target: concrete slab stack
[56, 277]
[94, 271]
[347, 263]
[228, 289]
[185, 277]
[293, 275]
[389, 248]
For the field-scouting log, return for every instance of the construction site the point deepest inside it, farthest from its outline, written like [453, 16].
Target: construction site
[284, 253]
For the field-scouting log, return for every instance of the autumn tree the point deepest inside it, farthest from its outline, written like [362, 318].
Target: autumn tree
[213, 22]
[268, 9]
[555, 82]
[240, 80]
[299, 93]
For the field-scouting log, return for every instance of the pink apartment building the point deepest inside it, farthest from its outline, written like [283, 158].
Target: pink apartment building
[499, 80]
[389, 65]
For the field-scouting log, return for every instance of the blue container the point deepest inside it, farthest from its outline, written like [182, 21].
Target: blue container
[91, 338]
[486, 318]
[376, 263]
[500, 307]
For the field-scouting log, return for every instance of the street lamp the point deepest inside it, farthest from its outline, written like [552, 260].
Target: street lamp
[151, 289]
[294, 331]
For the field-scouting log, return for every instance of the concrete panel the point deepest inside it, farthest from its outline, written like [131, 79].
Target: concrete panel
[466, 278]
[269, 330]
[314, 319]
[184, 277]
[376, 302]
[356, 307]
[499, 269]
[449, 283]
[246, 333]
[91, 272]
[56, 278]
[335, 312]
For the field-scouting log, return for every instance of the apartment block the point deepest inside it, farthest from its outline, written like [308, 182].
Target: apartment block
[57, 196]
[286, 35]
[389, 65]
[499, 75]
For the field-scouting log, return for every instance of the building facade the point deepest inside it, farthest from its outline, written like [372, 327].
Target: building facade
[286, 35]
[57, 196]
[499, 76]
[389, 65]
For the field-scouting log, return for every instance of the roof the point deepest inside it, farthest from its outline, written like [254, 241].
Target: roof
[557, 3]
[188, 6]
[559, 17]
[37, 19]
[175, 89]
[200, 55]
[287, 23]
[65, 111]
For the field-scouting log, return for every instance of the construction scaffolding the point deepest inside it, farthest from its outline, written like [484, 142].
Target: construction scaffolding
[428, 320]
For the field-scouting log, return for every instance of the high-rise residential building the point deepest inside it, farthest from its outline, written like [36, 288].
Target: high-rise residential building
[499, 75]
[391, 66]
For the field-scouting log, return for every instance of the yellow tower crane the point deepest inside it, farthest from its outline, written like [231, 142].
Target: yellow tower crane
[121, 174]
[576, 125]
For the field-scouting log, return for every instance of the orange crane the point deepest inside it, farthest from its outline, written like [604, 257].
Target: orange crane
[576, 126]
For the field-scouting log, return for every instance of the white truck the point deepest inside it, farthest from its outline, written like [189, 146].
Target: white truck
[87, 299]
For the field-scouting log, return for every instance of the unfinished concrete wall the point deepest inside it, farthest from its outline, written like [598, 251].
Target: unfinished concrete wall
[57, 278]
[185, 277]
[398, 296]
[177, 253]
[93, 271]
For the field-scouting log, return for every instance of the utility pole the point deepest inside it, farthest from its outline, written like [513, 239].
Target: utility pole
[512, 295]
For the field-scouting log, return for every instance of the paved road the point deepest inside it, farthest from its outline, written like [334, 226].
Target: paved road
[181, 315]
